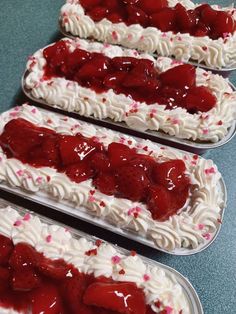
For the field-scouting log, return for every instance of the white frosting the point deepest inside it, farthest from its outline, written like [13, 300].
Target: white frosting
[194, 225]
[157, 283]
[70, 96]
[220, 53]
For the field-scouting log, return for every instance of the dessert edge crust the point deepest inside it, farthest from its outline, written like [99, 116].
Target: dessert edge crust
[220, 53]
[56, 242]
[194, 225]
[58, 92]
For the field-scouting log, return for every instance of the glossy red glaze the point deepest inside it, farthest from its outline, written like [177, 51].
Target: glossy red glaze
[136, 78]
[118, 170]
[202, 21]
[29, 281]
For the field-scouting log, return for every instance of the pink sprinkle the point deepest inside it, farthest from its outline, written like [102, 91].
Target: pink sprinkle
[130, 36]
[106, 45]
[175, 121]
[168, 309]
[91, 199]
[176, 62]
[146, 277]
[179, 38]
[33, 110]
[13, 114]
[48, 238]
[115, 259]
[142, 38]
[39, 180]
[0, 159]
[20, 173]
[31, 58]
[163, 35]
[134, 210]
[17, 223]
[207, 236]
[201, 226]
[205, 131]
[114, 35]
[27, 217]
[225, 35]
[204, 48]
[210, 170]
[67, 230]
[121, 140]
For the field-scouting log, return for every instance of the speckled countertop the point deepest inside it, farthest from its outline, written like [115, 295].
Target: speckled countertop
[26, 26]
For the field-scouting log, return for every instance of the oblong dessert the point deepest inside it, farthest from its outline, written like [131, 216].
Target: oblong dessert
[45, 268]
[169, 197]
[106, 81]
[180, 29]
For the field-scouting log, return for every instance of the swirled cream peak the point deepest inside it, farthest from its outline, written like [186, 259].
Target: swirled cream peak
[220, 53]
[70, 96]
[192, 228]
[156, 283]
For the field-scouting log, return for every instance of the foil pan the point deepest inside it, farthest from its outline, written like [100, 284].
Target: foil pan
[155, 136]
[188, 289]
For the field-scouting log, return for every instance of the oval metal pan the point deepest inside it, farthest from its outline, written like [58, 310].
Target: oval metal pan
[189, 291]
[156, 136]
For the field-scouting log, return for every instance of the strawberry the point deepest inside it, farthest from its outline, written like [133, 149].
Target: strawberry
[114, 79]
[98, 13]
[100, 162]
[147, 66]
[75, 60]
[124, 63]
[120, 297]
[136, 16]
[170, 174]
[201, 30]
[97, 68]
[55, 269]
[79, 172]
[200, 99]
[132, 183]
[24, 280]
[159, 202]
[135, 79]
[130, 1]
[173, 96]
[115, 18]
[112, 5]
[119, 154]
[105, 183]
[6, 248]
[184, 19]
[181, 76]
[89, 4]
[178, 200]
[152, 6]
[23, 257]
[163, 19]
[144, 162]
[208, 14]
[4, 279]
[56, 54]
[223, 24]
[74, 149]
[47, 300]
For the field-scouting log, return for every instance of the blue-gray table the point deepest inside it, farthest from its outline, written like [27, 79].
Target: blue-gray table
[26, 26]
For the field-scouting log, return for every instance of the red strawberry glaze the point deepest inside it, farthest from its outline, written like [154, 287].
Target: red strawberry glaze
[30, 281]
[202, 21]
[117, 170]
[136, 78]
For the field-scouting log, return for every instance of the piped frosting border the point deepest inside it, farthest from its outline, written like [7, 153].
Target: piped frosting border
[194, 225]
[58, 92]
[220, 53]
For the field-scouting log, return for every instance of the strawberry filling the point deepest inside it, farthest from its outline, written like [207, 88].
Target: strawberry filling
[135, 78]
[31, 282]
[202, 21]
[118, 170]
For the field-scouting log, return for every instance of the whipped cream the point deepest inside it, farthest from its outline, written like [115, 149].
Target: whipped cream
[70, 96]
[194, 225]
[219, 53]
[156, 282]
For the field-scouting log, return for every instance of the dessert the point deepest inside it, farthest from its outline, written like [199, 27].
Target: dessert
[113, 177]
[179, 29]
[109, 82]
[44, 268]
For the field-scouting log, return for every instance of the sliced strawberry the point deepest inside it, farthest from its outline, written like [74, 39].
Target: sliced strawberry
[132, 183]
[124, 63]
[74, 149]
[56, 54]
[170, 174]
[55, 269]
[123, 298]
[105, 183]
[89, 4]
[113, 80]
[75, 60]
[159, 203]
[178, 200]
[135, 79]
[200, 99]
[97, 67]
[208, 14]
[25, 280]
[112, 5]
[115, 18]
[201, 30]
[144, 162]
[181, 76]
[184, 19]
[79, 172]
[4, 279]
[223, 24]
[23, 257]
[152, 87]
[136, 16]
[130, 1]
[100, 162]
[173, 96]
[98, 13]
[119, 154]
[47, 300]
[152, 6]
[6, 248]
[163, 19]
